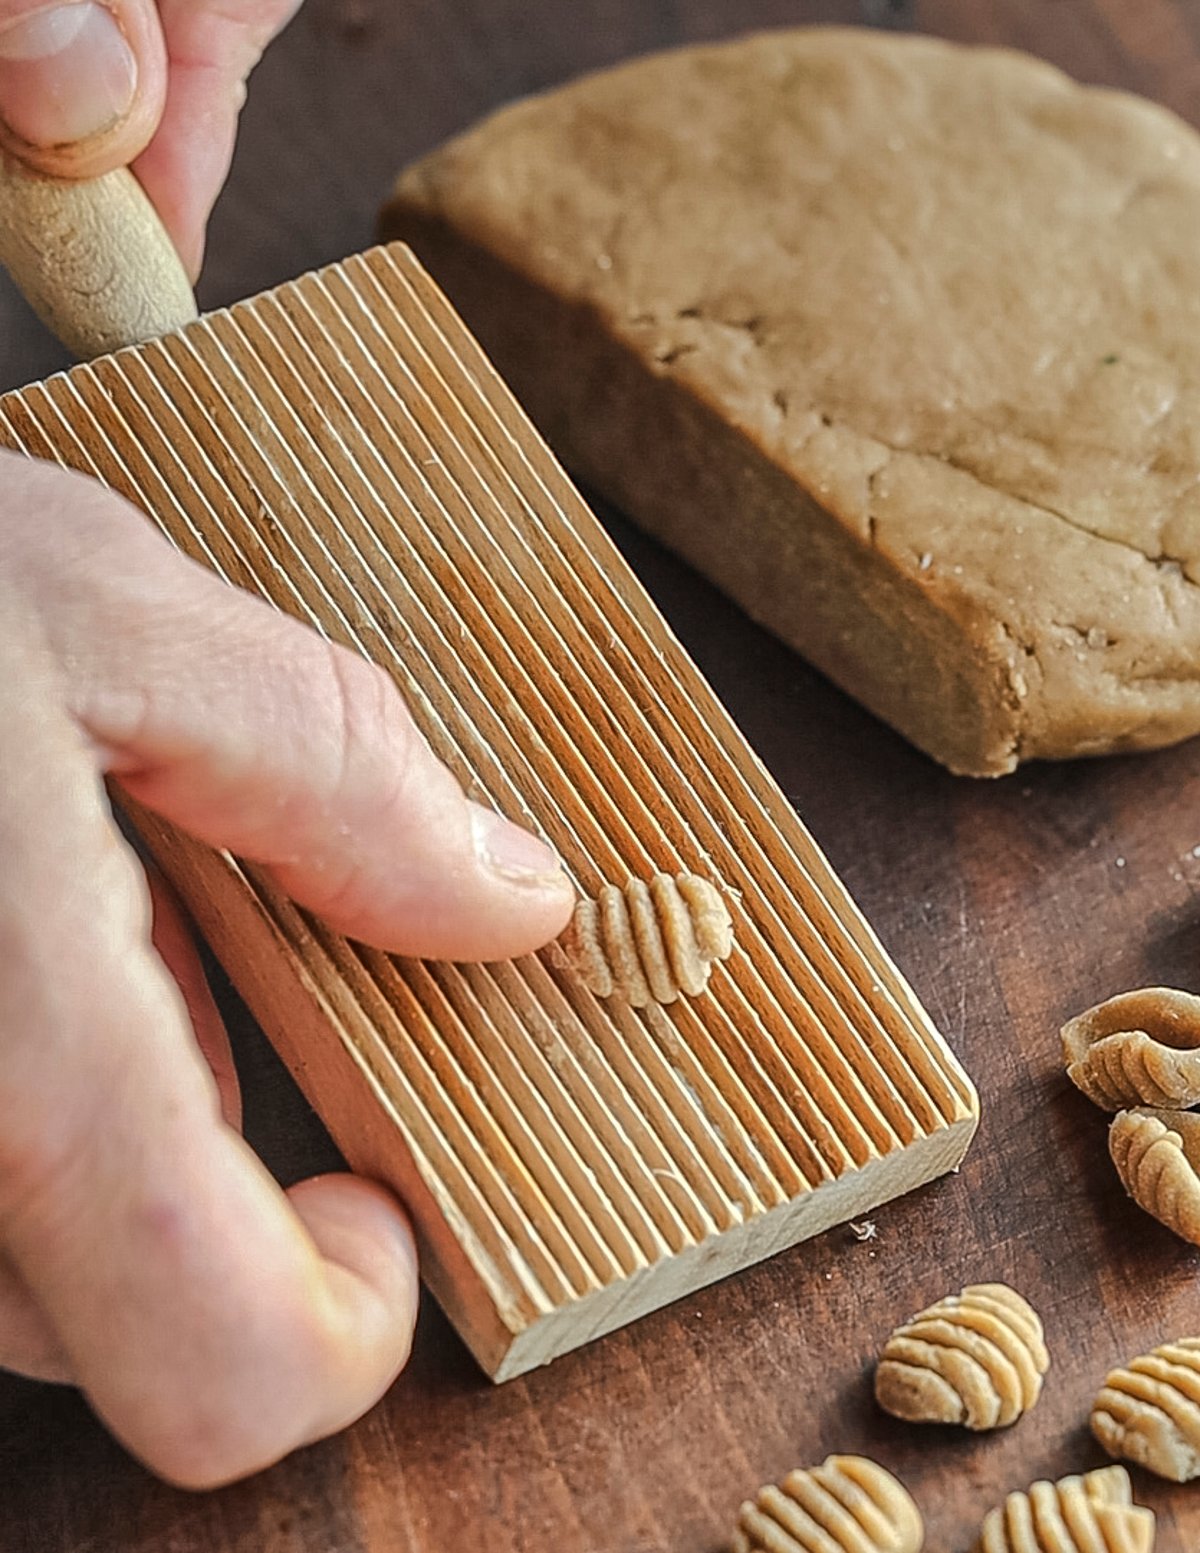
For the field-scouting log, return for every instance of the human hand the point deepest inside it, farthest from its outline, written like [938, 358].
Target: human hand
[214, 1321]
[90, 85]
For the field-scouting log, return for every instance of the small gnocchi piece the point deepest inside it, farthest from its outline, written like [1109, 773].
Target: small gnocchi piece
[1157, 1155]
[651, 941]
[847, 1503]
[1094, 1513]
[1148, 1411]
[1141, 1048]
[975, 1358]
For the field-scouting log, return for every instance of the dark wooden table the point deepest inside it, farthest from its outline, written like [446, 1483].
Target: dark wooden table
[1010, 906]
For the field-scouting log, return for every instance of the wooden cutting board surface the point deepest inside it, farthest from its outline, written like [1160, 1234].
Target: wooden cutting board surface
[1009, 907]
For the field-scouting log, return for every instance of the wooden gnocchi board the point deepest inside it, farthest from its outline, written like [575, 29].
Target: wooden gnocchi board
[341, 447]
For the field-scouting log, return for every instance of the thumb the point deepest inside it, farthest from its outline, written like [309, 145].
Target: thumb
[82, 83]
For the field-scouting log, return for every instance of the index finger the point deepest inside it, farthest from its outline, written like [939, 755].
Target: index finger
[253, 733]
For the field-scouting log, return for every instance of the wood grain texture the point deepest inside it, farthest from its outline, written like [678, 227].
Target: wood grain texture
[1010, 907]
[341, 448]
[92, 258]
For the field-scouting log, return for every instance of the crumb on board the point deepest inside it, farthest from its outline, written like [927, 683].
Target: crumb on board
[867, 1230]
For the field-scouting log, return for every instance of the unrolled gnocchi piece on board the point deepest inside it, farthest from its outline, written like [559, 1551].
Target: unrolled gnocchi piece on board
[1148, 1411]
[848, 1503]
[1141, 1048]
[1094, 1513]
[1157, 1155]
[650, 941]
[975, 1358]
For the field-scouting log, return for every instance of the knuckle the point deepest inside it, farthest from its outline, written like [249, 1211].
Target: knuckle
[35, 1157]
[228, 36]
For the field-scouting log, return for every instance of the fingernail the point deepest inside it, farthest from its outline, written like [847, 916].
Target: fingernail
[66, 73]
[510, 851]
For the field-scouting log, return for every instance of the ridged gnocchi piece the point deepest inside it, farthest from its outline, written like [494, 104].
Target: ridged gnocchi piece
[975, 1358]
[1141, 1048]
[651, 941]
[1157, 1155]
[1148, 1411]
[1094, 1513]
[848, 1503]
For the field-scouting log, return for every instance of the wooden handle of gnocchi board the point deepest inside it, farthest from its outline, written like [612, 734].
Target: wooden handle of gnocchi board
[92, 258]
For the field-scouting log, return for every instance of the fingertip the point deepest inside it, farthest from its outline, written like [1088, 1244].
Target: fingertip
[82, 86]
[509, 911]
[514, 854]
[360, 1227]
[541, 919]
[565, 900]
[366, 1242]
[315, 1355]
[442, 909]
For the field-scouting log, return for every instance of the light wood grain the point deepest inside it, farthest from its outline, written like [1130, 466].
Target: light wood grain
[92, 258]
[342, 448]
